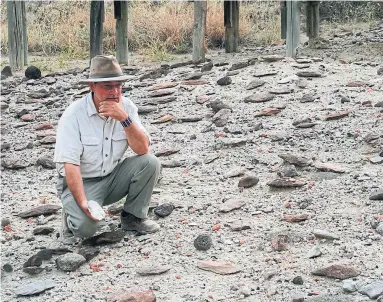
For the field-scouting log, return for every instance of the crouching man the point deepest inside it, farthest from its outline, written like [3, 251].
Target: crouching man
[92, 137]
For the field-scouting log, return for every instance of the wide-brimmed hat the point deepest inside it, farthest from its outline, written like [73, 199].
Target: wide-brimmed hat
[104, 69]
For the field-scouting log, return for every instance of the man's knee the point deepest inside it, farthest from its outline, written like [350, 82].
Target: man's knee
[84, 228]
[152, 163]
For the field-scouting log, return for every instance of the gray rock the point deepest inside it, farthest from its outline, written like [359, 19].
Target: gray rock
[298, 298]
[295, 159]
[224, 81]
[248, 182]
[255, 84]
[259, 98]
[33, 270]
[217, 106]
[325, 234]
[373, 290]
[314, 252]
[328, 298]
[34, 288]
[14, 163]
[288, 171]
[337, 271]
[377, 195]
[89, 252]
[238, 65]
[349, 286]
[379, 228]
[164, 209]
[308, 98]
[207, 66]
[7, 267]
[153, 270]
[231, 205]
[245, 291]
[298, 280]
[70, 262]
[376, 160]
[309, 74]
[5, 221]
[6, 72]
[32, 72]
[40, 210]
[221, 118]
[35, 260]
[203, 242]
[44, 230]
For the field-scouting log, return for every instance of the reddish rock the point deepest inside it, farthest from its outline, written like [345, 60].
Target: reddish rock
[138, 296]
[279, 243]
[202, 99]
[356, 84]
[268, 112]
[336, 116]
[218, 267]
[44, 126]
[161, 92]
[287, 183]
[329, 167]
[163, 85]
[295, 217]
[163, 119]
[337, 271]
[28, 117]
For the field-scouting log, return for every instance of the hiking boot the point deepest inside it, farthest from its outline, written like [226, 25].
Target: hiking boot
[141, 225]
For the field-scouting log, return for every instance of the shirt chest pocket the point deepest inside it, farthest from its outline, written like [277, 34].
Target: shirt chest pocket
[119, 145]
[91, 149]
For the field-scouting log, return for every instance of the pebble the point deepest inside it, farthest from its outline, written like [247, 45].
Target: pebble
[70, 262]
[314, 252]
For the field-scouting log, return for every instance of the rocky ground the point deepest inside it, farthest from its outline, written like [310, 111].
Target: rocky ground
[277, 161]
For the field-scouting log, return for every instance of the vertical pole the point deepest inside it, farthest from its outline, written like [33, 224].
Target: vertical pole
[199, 30]
[17, 47]
[96, 27]
[312, 24]
[283, 20]
[121, 30]
[25, 35]
[231, 21]
[293, 28]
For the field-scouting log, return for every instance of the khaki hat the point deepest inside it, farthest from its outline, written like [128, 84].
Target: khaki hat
[104, 69]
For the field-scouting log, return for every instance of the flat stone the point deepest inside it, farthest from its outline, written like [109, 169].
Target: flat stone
[34, 288]
[221, 118]
[267, 112]
[308, 98]
[89, 252]
[325, 234]
[163, 119]
[14, 164]
[239, 225]
[236, 172]
[356, 84]
[153, 270]
[33, 270]
[201, 99]
[45, 133]
[146, 109]
[281, 90]
[314, 252]
[166, 152]
[160, 100]
[296, 160]
[218, 105]
[287, 183]
[70, 262]
[218, 267]
[137, 296]
[306, 125]
[171, 164]
[44, 126]
[376, 160]
[272, 58]
[329, 167]
[295, 217]
[336, 116]
[231, 205]
[161, 92]
[210, 158]
[373, 290]
[190, 119]
[195, 82]
[288, 171]
[349, 286]
[203, 242]
[259, 98]
[248, 182]
[238, 65]
[163, 85]
[28, 118]
[224, 142]
[255, 84]
[44, 230]
[309, 74]
[35, 260]
[105, 238]
[262, 74]
[48, 140]
[377, 195]
[337, 271]
[45, 209]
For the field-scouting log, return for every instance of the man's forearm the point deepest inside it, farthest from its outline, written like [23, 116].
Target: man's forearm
[137, 139]
[74, 182]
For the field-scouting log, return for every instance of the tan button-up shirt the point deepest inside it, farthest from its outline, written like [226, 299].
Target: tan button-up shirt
[93, 142]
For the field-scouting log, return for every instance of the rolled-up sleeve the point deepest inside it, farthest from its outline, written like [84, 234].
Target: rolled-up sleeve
[68, 144]
[133, 115]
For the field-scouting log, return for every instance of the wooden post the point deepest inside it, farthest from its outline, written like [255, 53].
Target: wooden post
[17, 34]
[283, 20]
[312, 17]
[199, 47]
[96, 27]
[121, 16]
[231, 21]
[293, 28]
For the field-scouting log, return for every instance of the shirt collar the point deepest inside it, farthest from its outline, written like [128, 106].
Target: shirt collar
[90, 108]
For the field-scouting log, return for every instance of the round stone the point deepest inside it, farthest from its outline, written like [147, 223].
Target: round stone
[203, 242]
[7, 267]
[164, 209]
[33, 72]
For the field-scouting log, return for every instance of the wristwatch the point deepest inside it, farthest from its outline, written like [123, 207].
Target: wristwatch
[127, 122]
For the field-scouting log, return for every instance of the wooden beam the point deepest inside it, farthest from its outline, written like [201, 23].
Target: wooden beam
[121, 14]
[293, 28]
[17, 36]
[231, 22]
[96, 27]
[312, 21]
[199, 30]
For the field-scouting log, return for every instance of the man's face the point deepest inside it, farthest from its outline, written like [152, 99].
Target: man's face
[107, 91]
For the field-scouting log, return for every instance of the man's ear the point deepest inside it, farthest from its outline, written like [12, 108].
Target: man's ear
[92, 86]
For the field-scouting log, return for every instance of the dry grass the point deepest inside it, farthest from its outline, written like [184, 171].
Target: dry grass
[154, 30]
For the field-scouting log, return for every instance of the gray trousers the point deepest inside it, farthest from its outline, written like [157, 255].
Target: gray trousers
[135, 178]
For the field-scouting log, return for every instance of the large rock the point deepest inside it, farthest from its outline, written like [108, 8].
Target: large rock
[231, 205]
[34, 288]
[46, 209]
[70, 262]
[46, 162]
[32, 72]
[6, 72]
[377, 195]
[373, 290]
[337, 271]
